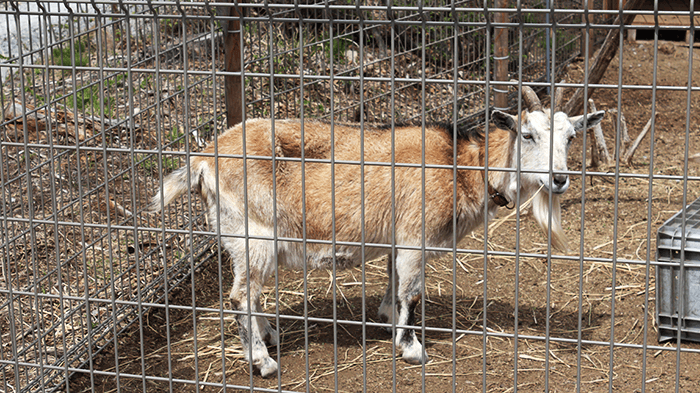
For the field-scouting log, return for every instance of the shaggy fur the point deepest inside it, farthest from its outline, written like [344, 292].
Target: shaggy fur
[327, 203]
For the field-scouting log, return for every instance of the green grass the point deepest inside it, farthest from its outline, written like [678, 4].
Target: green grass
[174, 134]
[150, 163]
[339, 47]
[63, 55]
[88, 100]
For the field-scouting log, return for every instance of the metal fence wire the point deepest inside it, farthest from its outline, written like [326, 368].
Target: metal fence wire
[102, 99]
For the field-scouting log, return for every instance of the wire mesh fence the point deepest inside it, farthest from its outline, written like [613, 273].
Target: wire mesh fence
[102, 99]
[373, 42]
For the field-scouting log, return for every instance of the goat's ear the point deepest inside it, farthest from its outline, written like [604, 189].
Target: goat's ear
[592, 120]
[504, 121]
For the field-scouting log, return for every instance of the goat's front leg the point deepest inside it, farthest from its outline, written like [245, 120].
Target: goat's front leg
[269, 335]
[410, 287]
[253, 331]
[245, 297]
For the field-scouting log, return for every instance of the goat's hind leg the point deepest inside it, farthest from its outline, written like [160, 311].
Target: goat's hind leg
[410, 288]
[245, 297]
[388, 312]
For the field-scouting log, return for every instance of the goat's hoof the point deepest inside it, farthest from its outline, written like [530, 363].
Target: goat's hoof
[415, 355]
[268, 368]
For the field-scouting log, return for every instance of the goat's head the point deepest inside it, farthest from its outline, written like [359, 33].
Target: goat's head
[544, 141]
[545, 137]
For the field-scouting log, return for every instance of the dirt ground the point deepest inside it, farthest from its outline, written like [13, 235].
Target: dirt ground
[619, 225]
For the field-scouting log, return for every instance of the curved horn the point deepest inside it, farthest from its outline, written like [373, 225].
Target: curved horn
[557, 98]
[531, 99]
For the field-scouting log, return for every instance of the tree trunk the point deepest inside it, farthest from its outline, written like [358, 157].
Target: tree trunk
[501, 57]
[601, 62]
[599, 150]
[232, 63]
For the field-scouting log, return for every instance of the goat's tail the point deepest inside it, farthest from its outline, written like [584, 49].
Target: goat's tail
[174, 185]
[540, 209]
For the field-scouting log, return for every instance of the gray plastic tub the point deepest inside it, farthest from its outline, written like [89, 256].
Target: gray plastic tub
[678, 284]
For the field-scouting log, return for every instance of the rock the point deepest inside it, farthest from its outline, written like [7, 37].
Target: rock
[667, 48]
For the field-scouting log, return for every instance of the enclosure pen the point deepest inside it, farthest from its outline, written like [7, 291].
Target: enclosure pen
[107, 283]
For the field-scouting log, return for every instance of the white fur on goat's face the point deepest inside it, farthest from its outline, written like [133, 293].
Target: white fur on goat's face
[543, 149]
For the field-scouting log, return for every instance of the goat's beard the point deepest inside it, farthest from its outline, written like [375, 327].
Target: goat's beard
[540, 209]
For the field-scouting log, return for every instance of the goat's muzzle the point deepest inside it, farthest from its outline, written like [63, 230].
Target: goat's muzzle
[559, 184]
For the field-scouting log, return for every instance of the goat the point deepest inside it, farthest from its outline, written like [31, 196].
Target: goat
[249, 197]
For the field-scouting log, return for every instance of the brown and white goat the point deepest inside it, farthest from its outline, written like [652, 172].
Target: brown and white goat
[325, 207]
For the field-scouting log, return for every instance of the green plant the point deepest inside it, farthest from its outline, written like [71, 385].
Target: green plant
[170, 25]
[29, 89]
[338, 48]
[149, 163]
[147, 82]
[64, 56]
[529, 17]
[116, 81]
[335, 48]
[170, 164]
[174, 134]
[23, 156]
[87, 99]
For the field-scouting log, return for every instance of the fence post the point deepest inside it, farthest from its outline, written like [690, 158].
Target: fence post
[232, 63]
[501, 56]
[586, 41]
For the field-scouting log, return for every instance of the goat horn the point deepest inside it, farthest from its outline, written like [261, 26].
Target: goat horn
[530, 97]
[557, 98]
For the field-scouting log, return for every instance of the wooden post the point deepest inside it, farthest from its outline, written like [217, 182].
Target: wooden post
[599, 150]
[501, 58]
[232, 63]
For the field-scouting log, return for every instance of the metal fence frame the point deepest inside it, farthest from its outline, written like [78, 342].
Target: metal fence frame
[110, 95]
[375, 23]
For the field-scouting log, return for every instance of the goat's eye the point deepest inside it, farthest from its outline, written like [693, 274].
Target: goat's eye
[527, 137]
